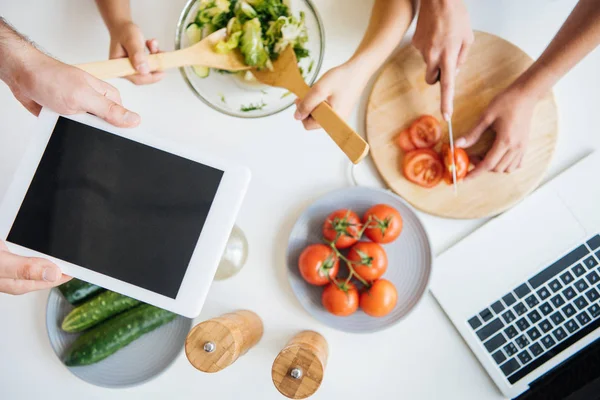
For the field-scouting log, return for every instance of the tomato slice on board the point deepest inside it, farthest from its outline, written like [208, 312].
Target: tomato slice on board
[423, 167]
[403, 141]
[425, 132]
[462, 163]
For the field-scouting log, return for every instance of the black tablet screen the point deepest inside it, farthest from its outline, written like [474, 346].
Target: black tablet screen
[116, 206]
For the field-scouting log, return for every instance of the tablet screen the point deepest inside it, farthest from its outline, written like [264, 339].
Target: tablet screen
[116, 206]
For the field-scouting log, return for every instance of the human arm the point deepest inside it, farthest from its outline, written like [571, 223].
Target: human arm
[443, 36]
[342, 86]
[127, 40]
[37, 81]
[509, 114]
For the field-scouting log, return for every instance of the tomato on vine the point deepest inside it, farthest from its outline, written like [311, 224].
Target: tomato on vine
[369, 260]
[380, 299]
[383, 223]
[343, 228]
[318, 264]
[340, 299]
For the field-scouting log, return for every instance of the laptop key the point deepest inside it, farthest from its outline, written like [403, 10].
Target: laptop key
[548, 342]
[536, 349]
[495, 342]
[566, 278]
[557, 300]
[534, 316]
[511, 349]
[579, 270]
[534, 334]
[569, 293]
[560, 334]
[509, 299]
[509, 367]
[571, 325]
[522, 290]
[532, 301]
[491, 328]
[598, 255]
[592, 295]
[558, 266]
[593, 277]
[545, 326]
[508, 317]
[590, 262]
[543, 293]
[557, 318]
[583, 318]
[522, 341]
[520, 308]
[486, 315]
[524, 357]
[546, 308]
[581, 302]
[522, 324]
[498, 307]
[555, 286]
[475, 322]
[580, 285]
[594, 310]
[569, 310]
[499, 357]
[594, 242]
[511, 332]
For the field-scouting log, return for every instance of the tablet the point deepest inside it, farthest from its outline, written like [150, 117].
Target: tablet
[123, 210]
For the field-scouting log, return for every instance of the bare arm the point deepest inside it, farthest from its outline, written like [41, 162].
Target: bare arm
[510, 113]
[114, 13]
[342, 86]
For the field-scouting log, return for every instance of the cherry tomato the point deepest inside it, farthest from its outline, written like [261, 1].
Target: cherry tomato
[371, 258]
[340, 299]
[462, 163]
[318, 264]
[404, 142]
[423, 167]
[342, 227]
[384, 223]
[380, 299]
[425, 132]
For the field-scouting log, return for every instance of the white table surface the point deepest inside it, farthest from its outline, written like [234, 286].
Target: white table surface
[421, 358]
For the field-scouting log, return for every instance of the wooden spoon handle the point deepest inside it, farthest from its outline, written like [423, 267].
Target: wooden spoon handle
[122, 67]
[351, 143]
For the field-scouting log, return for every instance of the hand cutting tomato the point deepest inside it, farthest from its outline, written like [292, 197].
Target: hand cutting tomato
[425, 132]
[423, 167]
[461, 160]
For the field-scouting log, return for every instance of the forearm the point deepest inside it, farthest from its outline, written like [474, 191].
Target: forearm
[578, 36]
[389, 22]
[114, 12]
[15, 50]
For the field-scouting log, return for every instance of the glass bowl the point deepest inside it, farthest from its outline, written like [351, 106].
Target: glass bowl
[231, 94]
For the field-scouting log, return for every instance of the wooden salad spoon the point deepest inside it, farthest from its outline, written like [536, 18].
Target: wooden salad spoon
[285, 74]
[201, 53]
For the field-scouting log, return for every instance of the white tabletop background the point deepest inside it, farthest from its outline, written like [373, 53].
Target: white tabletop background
[421, 358]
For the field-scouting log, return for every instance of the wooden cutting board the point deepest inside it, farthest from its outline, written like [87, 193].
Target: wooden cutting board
[400, 94]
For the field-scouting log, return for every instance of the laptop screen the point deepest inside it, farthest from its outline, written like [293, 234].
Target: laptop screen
[117, 207]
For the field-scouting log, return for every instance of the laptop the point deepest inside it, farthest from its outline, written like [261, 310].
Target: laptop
[524, 289]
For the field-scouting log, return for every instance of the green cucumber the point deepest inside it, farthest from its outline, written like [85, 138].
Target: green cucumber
[77, 291]
[201, 70]
[194, 33]
[98, 309]
[107, 338]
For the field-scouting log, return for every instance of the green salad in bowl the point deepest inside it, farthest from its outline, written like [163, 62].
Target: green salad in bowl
[260, 30]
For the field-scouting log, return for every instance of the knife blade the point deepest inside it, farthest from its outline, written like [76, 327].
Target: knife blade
[451, 136]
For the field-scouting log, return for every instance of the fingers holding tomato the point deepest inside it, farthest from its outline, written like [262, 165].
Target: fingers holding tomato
[380, 299]
[340, 299]
[342, 228]
[369, 260]
[318, 264]
[461, 159]
[383, 223]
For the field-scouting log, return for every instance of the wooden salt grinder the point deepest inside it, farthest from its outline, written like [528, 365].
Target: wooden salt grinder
[215, 344]
[298, 369]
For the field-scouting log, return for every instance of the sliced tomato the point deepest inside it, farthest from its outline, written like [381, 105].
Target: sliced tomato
[462, 163]
[423, 167]
[425, 132]
[403, 141]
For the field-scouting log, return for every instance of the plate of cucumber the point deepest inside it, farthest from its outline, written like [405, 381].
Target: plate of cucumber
[111, 340]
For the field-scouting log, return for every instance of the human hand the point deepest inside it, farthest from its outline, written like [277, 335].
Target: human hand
[127, 40]
[443, 36]
[340, 87]
[19, 275]
[509, 116]
[41, 81]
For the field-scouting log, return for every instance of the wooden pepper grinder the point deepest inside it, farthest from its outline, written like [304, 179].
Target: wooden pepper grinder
[215, 344]
[298, 369]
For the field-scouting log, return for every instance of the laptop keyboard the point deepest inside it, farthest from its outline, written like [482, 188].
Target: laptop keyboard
[545, 315]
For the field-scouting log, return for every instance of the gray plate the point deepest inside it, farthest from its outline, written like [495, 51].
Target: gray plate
[140, 361]
[409, 257]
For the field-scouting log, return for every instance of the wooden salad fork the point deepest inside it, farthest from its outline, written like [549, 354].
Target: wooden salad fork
[201, 53]
[285, 74]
